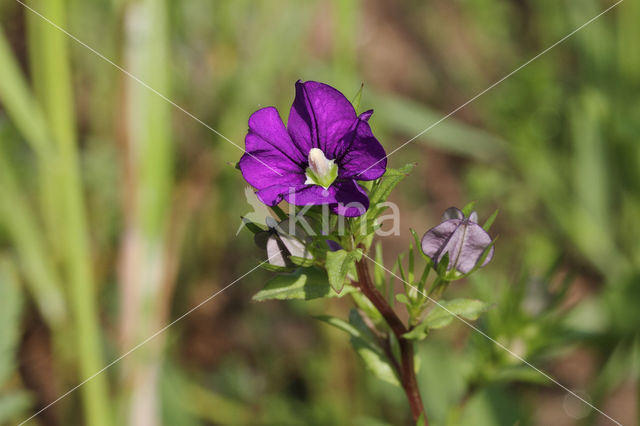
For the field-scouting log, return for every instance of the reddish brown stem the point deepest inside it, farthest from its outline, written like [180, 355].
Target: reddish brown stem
[406, 365]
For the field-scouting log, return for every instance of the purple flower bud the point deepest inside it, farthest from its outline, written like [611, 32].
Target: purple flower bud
[462, 238]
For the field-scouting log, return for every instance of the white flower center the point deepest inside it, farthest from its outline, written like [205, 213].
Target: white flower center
[321, 171]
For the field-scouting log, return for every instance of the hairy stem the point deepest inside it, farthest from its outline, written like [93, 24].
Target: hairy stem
[406, 365]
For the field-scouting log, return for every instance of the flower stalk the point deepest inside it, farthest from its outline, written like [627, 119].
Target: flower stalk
[406, 372]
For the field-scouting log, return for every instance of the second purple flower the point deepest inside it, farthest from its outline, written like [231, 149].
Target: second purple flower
[317, 159]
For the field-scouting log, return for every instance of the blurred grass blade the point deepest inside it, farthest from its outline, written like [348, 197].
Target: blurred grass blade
[145, 279]
[628, 36]
[11, 302]
[21, 225]
[410, 118]
[55, 94]
[14, 401]
[18, 102]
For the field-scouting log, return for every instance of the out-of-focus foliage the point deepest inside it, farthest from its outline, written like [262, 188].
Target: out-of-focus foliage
[96, 170]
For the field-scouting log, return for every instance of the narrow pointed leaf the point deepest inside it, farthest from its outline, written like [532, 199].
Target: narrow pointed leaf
[443, 314]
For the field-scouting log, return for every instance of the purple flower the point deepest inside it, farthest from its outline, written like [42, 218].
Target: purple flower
[318, 157]
[462, 238]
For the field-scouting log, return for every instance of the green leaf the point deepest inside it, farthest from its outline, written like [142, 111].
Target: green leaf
[252, 226]
[489, 221]
[443, 314]
[520, 373]
[365, 346]
[304, 284]
[376, 362]
[389, 180]
[417, 333]
[418, 242]
[340, 324]
[411, 266]
[301, 261]
[279, 212]
[466, 210]
[275, 268]
[441, 267]
[403, 299]
[356, 99]
[338, 264]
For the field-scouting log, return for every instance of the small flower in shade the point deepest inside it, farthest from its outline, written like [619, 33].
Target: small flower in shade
[318, 157]
[461, 237]
[333, 246]
[281, 242]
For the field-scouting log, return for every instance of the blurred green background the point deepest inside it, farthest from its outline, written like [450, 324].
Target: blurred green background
[118, 211]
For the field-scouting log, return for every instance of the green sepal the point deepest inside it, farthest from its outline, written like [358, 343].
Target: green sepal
[323, 181]
[443, 264]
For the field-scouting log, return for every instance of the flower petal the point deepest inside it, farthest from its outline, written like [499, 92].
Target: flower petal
[345, 198]
[320, 116]
[305, 195]
[362, 157]
[474, 243]
[295, 247]
[464, 241]
[271, 134]
[452, 213]
[270, 157]
[261, 170]
[352, 200]
[272, 195]
[436, 239]
[277, 252]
